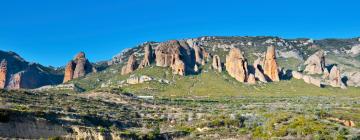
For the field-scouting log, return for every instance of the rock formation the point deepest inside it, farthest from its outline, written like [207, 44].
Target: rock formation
[3, 74]
[147, 57]
[315, 64]
[311, 80]
[177, 55]
[335, 77]
[259, 75]
[270, 65]
[78, 67]
[216, 63]
[177, 65]
[236, 65]
[130, 66]
[69, 72]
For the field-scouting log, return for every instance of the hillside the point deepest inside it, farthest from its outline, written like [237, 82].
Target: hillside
[201, 88]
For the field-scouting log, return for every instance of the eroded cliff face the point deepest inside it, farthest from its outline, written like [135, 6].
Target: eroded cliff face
[78, 67]
[270, 65]
[3, 73]
[236, 65]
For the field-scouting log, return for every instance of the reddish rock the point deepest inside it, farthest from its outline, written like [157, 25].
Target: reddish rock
[175, 54]
[69, 72]
[270, 65]
[3, 74]
[78, 67]
[216, 64]
[236, 65]
[147, 57]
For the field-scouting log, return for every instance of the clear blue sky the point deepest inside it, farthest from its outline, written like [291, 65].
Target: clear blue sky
[51, 32]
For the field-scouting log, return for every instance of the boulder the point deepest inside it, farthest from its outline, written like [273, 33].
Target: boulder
[270, 65]
[297, 75]
[78, 67]
[251, 79]
[3, 74]
[315, 64]
[147, 57]
[130, 66]
[259, 75]
[216, 63]
[311, 80]
[353, 78]
[236, 65]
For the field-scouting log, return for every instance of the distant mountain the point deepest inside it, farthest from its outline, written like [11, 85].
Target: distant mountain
[16, 73]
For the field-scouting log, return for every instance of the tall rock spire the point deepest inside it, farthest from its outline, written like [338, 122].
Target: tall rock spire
[236, 65]
[270, 65]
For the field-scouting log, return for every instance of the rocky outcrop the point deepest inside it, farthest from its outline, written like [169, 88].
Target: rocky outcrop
[216, 63]
[130, 66]
[259, 75]
[270, 65]
[335, 78]
[176, 54]
[315, 64]
[147, 57]
[353, 78]
[3, 74]
[297, 75]
[78, 67]
[236, 65]
[178, 66]
[69, 72]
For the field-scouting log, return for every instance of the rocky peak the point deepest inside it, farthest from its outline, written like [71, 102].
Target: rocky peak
[147, 56]
[236, 65]
[78, 67]
[270, 65]
[80, 55]
[130, 66]
[315, 64]
[3, 73]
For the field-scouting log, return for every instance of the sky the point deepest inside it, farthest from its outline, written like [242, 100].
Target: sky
[51, 32]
